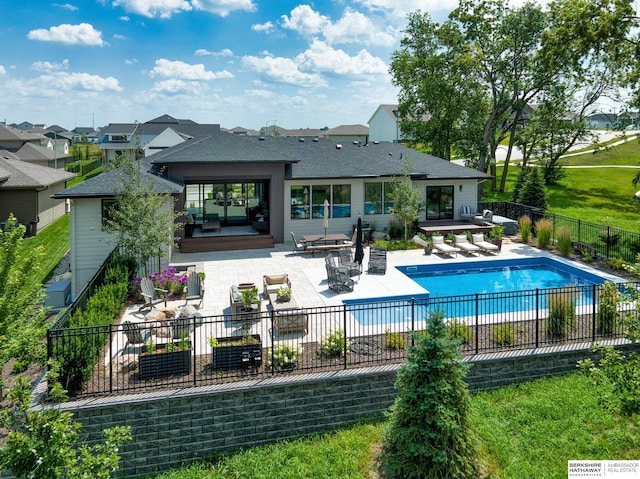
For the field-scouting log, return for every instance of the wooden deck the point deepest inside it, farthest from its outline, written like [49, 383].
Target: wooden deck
[455, 227]
[225, 243]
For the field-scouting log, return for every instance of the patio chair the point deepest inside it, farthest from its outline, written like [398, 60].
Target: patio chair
[377, 260]
[338, 279]
[461, 241]
[133, 332]
[271, 283]
[195, 288]
[345, 259]
[150, 294]
[478, 240]
[297, 246]
[467, 213]
[442, 247]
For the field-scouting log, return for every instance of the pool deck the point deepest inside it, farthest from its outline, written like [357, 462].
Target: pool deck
[309, 281]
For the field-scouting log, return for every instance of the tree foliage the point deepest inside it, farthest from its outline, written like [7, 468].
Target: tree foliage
[429, 432]
[533, 192]
[142, 220]
[407, 200]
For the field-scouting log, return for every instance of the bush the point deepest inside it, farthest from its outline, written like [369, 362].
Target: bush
[562, 313]
[396, 230]
[607, 308]
[524, 225]
[459, 330]
[285, 355]
[544, 228]
[564, 240]
[334, 343]
[504, 334]
[395, 340]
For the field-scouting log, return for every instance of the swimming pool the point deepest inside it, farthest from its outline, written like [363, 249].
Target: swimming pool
[483, 288]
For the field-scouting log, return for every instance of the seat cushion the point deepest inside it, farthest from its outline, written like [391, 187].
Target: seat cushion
[276, 279]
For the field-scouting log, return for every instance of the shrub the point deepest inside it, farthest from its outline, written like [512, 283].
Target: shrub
[544, 228]
[562, 313]
[504, 334]
[429, 433]
[334, 343]
[607, 308]
[617, 263]
[396, 230]
[285, 355]
[395, 340]
[564, 240]
[459, 330]
[524, 225]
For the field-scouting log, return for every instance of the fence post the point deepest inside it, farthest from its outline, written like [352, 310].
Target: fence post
[272, 315]
[593, 313]
[537, 317]
[413, 320]
[344, 328]
[477, 327]
[111, 358]
[193, 319]
[579, 229]
[608, 239]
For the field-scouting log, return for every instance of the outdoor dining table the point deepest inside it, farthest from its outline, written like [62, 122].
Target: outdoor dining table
[334, 238]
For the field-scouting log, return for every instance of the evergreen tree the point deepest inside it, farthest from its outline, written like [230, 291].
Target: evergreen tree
[533, 192]
[517, 188]
[429, 433]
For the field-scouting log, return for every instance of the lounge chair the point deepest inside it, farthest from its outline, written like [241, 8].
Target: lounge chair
[195, 289]
[442, 247]
[478, 240]
[150, 294]
[462, 242]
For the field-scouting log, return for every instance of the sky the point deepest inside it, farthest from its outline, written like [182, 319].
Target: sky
[248, 63]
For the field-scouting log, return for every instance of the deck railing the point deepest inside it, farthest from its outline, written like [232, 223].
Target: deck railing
[330, 338]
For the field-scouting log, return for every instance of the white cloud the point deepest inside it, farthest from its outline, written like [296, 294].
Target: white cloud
[66, 6]
[305, 21]
[124, 18]
[80, 81]
[400, 8]
[181, 70]
[321, 57]
[223, 7]
[168, 8]
[154, 8]
[266, 27]
[49, 66]
[82, 34]
[130, 61]
[174, 86]
[3, 71]
[225, 52]
[352, 27]
[283, 70]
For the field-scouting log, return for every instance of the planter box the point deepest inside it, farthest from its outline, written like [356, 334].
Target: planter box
[241, 356]
[162, 363]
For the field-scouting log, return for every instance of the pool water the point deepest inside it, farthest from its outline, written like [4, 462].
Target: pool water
[500, 286]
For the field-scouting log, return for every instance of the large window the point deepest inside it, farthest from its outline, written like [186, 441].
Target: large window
[377, 198]
[107, 210]
[307, 201]
[439, 202]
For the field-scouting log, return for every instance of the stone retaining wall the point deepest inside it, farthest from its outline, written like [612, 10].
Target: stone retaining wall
[174, 427]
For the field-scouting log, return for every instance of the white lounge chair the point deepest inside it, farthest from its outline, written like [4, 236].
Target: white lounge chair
[442, 247]
[462, 242]
[478, 240]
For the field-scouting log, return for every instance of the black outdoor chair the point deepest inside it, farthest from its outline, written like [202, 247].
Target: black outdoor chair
[377, 260]
[339, 280]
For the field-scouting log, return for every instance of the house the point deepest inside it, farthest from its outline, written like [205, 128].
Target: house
[603, 121]
[270, 186]
[133, 139]
[26, 190]
[32, 146]
[348, 134]
[384, 124]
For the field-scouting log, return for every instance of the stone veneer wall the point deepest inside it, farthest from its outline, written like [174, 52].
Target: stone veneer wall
[174, 427]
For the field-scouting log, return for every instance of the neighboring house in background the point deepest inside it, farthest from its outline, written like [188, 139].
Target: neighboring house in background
[26, 190]
[270, 187]
[241, 131]
[85, 133]
[34, 148]
[127, 138]
[384, 124]
[348, 134]
[603, 121]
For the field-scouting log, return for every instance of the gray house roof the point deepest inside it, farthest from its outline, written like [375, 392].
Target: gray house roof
[107, 184]
[21, 174]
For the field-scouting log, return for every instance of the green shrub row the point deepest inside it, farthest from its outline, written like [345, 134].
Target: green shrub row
[83, 167]
[77, 350]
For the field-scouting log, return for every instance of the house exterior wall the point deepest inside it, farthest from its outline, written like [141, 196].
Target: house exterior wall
[164, 140]
[204, 173]
[382, 127]
[49, 209]
[22, 203]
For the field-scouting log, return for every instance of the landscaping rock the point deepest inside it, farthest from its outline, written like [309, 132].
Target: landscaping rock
[126, 363]
[155, 315]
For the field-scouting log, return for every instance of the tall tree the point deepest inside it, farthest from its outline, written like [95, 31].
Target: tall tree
[407, 200]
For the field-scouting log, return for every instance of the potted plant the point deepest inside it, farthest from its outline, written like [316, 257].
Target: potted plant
[284, 294]
[236, 352]
[425, 241]
[162, 360]
[249, 297]
[496, 235]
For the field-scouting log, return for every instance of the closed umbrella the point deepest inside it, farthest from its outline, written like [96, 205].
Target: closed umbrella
[359, 256]
[325, 223]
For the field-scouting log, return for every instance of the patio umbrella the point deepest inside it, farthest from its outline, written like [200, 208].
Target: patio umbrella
[325, 223]
[359, 256]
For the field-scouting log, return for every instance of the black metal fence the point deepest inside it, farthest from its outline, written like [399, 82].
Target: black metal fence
[606, 241]
[173, 353]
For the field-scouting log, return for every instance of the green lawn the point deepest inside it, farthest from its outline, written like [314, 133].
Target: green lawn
[55, 240]
[529, 430]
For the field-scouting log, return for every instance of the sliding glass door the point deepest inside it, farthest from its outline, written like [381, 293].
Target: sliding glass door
[439, 202]
[232, 203]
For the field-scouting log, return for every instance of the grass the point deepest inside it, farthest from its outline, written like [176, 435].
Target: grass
[526, 430]
[55, 239]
